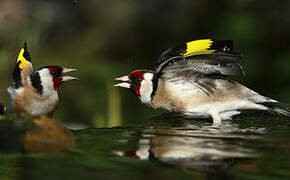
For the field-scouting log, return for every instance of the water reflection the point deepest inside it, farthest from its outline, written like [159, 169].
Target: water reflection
[243, 149]
[195, 144]
[20, 133]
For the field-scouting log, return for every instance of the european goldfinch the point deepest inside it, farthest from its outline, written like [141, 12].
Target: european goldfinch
[191, 79]
[35, 92]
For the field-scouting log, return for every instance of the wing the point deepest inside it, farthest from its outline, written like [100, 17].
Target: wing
[23, 68]
[203, 56]
[199, 62]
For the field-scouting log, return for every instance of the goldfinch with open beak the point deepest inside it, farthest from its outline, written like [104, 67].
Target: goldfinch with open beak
[192, 80]
[35, 92]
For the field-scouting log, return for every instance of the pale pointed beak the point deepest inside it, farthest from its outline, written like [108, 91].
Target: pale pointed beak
[66, 70]
[68, 78]
[123, 84]
[122, 78]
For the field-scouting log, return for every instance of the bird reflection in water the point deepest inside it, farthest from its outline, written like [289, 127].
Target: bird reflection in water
[197, 145]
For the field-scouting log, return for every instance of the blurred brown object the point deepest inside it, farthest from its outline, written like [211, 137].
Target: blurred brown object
[3, 109]
[47, 136]
[8, 18]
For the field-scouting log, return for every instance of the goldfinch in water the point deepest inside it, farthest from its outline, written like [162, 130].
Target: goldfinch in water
[192, 80]
[35, 92]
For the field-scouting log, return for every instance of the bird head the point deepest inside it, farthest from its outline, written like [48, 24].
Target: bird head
[141, 82]
[48, 79]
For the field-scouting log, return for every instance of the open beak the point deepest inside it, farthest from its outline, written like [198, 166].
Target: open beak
[66, 70]
[68, 78]
[124, 84]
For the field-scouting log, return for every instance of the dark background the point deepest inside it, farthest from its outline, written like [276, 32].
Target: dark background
[106, 39]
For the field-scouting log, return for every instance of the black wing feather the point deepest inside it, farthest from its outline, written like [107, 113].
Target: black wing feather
[222, 61]
[225, 46]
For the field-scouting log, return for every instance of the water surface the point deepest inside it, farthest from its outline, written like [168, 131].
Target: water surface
[165, 147]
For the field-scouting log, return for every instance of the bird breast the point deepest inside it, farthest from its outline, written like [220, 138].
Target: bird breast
[28, 101]
[171, 97]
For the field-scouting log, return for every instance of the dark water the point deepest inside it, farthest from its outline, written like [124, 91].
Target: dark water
[166, 148]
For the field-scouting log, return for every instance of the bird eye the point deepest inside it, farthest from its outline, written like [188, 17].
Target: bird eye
[53, 73]
[56, 73]
[136, 81]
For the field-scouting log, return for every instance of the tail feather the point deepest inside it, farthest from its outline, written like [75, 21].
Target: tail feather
[280, 108]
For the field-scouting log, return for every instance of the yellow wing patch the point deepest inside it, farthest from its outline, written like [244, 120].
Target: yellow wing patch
[199, 47]
[21, 58]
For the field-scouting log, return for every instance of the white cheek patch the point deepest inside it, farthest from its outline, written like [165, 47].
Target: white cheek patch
[47, 83]
[146, 88]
